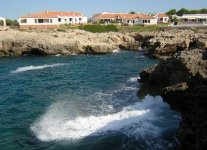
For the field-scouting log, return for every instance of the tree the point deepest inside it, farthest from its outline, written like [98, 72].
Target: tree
[204, 11]
[171, 12]
[132, 12]
[182, 11]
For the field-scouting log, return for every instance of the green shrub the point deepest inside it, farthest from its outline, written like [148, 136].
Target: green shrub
[10, 22]
[68, 26]
[99, 28]
[1, 22]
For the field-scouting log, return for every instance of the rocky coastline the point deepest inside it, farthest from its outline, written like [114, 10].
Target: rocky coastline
[20, 43]
[181, 79]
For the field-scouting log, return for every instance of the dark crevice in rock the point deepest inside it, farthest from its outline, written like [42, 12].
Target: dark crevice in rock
[33, 51]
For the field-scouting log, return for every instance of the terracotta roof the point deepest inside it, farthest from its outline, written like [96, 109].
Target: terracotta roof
[122, 16]
[161, 15]
[144, 16]
[52, 14]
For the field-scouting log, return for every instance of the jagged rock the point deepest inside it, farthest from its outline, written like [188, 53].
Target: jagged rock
[165, 43]
[201, 42]
[182, 82]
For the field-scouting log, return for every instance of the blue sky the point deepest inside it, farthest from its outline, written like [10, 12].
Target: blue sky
[14, 8]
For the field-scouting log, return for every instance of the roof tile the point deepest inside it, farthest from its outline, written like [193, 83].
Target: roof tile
[52, 14]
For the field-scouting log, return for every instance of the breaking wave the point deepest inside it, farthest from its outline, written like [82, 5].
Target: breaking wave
[29, 68]
[55, 125]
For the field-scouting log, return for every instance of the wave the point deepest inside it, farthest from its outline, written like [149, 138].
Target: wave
[29, 68]
[134, 120]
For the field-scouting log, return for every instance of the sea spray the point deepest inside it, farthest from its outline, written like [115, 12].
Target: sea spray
[54, 125]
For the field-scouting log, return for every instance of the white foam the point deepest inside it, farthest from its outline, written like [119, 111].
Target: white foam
[133, 79]
[58, 55]
[29, 68]
[116, 51]
[54, 125]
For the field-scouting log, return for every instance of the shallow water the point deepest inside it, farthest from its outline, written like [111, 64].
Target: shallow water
[82, 102]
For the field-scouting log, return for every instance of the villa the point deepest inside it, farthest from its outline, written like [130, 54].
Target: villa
[124, 18]
[3, 20]
[193, 19]
[51, 19]
[162, 18]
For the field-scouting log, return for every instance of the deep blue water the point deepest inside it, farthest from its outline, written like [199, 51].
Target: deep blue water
[82, 102]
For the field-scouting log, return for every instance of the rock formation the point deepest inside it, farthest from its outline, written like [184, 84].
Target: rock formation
[182, 82]
[162, 44]
[17, 43]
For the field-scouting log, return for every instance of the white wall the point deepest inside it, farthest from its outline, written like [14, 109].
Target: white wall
[140, 22]
[165, 20]
[55, 21]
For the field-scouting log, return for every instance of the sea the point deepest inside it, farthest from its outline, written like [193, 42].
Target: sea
[82, 102]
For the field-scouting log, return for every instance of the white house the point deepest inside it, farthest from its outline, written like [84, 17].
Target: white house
[4, 21]
[193, 19]
[51, 19]
[140, 19]
[162, 18]
[128, 19]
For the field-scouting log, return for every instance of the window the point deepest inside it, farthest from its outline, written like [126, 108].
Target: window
[148, 21]
[165, 19]
[161, 19]
[59, 19]
[43, 20]
[50, 20]
[40, 20]
[70, 19]
[35, 20]
[133, 21]
[23, 20]
[144, 21]
[80, 19]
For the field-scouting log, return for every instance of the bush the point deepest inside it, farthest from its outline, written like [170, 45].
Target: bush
[99, 28]
[10, 22]
[1, 22]
[68, 26]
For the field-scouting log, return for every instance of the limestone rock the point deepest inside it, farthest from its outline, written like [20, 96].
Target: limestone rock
[166, 43]
[17, 43]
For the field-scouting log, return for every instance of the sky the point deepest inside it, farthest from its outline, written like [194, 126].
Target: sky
[12, 9]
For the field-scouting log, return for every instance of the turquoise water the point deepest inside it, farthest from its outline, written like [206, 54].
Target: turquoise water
[82, 102]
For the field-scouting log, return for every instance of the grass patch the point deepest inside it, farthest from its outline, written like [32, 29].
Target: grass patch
[99, 28]
[142, 28]
[67, 27]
